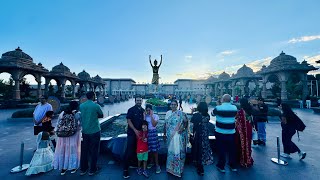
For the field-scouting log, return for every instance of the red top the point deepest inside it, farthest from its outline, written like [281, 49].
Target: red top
[142, 142]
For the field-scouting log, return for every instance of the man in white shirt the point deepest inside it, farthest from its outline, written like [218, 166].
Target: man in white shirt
[39, 113]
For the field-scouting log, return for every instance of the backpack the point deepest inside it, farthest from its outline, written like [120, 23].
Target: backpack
[298, 123]
[67, 126]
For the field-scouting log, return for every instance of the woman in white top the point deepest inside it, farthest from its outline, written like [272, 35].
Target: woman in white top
[153, 142]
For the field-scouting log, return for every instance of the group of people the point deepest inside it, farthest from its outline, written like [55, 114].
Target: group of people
[234, 134]
[67, 153]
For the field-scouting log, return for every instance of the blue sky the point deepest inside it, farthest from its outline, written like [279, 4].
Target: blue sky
[113, 38]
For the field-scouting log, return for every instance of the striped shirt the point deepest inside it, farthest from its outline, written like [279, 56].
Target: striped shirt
[225, 118]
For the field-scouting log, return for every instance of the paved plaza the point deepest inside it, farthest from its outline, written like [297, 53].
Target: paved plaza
[13, 133]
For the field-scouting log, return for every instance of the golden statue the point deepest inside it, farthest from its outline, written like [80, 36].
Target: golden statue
[155, 69]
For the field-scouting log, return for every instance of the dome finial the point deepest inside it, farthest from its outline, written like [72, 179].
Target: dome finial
[18, 49]
[282, 53]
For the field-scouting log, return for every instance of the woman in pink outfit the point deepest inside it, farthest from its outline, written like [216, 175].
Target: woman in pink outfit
[67, 153]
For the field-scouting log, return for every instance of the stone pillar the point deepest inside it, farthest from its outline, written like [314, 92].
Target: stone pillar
[46, 88]
[305, 90]
[16, 90]
[221, 89]
[73, 91]
[216, 93]
[233, 91]
[242, 90]
[39, 89]
[284, 93]
[264, 90]
[63, 89]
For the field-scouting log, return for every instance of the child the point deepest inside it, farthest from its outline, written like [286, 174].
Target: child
[46, 123]
[142, 149]
[153, 141]
[43, 157]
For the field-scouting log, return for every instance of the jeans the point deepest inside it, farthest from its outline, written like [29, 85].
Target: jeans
[90, 150]
[130, 154]
[226, 143]
[262, 135]
[301, 104]
[308, 102]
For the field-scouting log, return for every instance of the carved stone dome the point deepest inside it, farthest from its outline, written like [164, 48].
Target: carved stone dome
[224, 76]
[16, 54]
[84, 76]
[244, 71]
[60, 68]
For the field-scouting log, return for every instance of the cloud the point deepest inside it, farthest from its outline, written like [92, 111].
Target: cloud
[312, 60]
[188, 59]
[304, 39]
[227, 52]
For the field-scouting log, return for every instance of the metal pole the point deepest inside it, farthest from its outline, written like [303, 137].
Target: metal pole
[317, 88]
[278, 160]
[21, 166]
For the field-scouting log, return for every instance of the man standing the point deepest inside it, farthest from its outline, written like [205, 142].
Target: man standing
[90, 112]
[39, 113]
[225, 132]
[261, 117]
[135, 116]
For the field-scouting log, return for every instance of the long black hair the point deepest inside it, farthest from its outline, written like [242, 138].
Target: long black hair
[244, 104]
[203, 108]
[287, 112]
[73, 105]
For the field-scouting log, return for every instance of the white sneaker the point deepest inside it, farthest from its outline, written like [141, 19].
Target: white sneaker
[285, 155]
[302, 155]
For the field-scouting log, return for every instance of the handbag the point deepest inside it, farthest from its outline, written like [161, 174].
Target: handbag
[254, 134]
[174, 145]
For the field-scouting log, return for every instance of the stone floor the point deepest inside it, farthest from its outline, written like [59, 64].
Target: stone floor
[13, 133]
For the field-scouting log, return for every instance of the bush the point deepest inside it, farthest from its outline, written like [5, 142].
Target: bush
[156, 102]
[28, 113]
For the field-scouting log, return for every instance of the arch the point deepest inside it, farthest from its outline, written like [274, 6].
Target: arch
[6, 86]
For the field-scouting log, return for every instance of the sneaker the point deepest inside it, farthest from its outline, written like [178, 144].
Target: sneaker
[83, 172]
[233, 169]
[221, 169]
[158, 169]
[95, 172]
[285, 155]
[145, 173]
[139, 171]
[126, 174]
[63, 172]
[260, 142]
[302, 155]
[73, 171]
[255, 142]
[150, 166]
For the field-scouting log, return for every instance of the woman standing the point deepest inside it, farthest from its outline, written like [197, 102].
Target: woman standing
[67, 153]
[175, 130]
[244, 133]
[288, 130]
[201, 150]
[153, 142]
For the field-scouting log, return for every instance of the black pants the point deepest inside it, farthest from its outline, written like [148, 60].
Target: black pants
[287, 133]
[226, 143]
[130, 155]
[90, 150]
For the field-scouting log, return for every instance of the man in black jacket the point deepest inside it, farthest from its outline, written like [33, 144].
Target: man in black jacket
[260, 114]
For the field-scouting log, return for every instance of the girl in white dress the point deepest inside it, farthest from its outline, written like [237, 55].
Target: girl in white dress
[43, 157]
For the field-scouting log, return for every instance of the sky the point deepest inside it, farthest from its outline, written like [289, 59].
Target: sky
[197, 39]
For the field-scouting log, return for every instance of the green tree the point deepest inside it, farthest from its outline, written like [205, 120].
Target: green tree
[6, 89]
[51, 90]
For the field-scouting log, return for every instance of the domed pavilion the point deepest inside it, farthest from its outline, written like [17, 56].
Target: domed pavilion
[282, 67]
[61, 73]
[18, 64]
[242, 78]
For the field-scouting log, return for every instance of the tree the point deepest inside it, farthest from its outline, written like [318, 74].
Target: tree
[6, 89]
[51, 90]
[25, 88]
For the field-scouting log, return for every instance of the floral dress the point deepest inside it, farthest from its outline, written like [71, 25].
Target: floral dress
[201, 150]
[177, 142]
